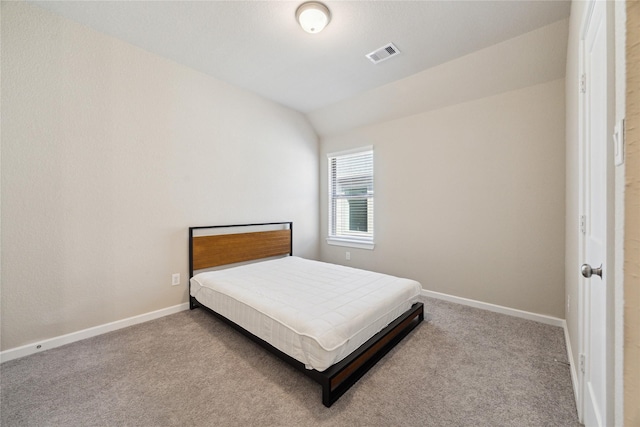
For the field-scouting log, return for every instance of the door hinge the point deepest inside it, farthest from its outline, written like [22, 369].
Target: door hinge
[583, 224]
[582, 363]
[583, 83]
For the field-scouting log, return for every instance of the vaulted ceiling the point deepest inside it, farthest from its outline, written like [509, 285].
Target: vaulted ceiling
[259, 46]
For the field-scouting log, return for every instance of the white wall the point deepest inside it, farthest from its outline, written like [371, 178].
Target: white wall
[469, 199]
[109, 153]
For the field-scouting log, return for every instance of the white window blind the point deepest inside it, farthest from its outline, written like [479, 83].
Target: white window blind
[351, 197]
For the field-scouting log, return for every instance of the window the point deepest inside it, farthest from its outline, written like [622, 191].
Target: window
[351, 198]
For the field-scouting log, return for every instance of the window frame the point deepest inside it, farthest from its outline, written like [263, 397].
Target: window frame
[353, 241]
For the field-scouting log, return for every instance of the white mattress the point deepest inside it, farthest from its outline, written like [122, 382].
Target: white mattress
[315, 312]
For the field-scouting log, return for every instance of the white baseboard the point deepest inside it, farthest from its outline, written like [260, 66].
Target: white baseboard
[14, 353]
[542, 318]
[36, 347]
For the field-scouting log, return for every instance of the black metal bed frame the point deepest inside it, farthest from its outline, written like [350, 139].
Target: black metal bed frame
[338, 378]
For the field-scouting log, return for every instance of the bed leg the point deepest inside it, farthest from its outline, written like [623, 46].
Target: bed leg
[326, 394]
[193, 303]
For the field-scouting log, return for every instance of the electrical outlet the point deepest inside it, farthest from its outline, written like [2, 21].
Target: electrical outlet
[175, 279]
[347, 255]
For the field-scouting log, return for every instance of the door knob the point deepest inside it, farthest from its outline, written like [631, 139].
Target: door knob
[587, 271]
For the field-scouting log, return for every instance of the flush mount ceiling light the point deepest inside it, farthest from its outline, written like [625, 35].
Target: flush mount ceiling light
[313, 16]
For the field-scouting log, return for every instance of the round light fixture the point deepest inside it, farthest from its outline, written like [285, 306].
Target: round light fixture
[313, 16]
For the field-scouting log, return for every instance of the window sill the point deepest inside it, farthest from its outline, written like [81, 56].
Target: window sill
[359, 244]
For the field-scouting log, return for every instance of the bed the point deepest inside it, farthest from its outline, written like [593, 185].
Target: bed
[331, 322]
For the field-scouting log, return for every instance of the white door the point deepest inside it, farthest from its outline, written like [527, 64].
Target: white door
[594, 354]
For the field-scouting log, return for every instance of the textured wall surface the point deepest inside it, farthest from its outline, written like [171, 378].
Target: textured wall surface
[109, 153]
[632, 222]
[469, 199]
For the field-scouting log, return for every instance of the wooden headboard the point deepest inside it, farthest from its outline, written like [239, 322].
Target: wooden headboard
[221, 249]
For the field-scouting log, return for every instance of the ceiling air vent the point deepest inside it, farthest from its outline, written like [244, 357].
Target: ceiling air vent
[382, 54]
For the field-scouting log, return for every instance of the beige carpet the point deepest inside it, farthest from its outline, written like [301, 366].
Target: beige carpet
[467, 367]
